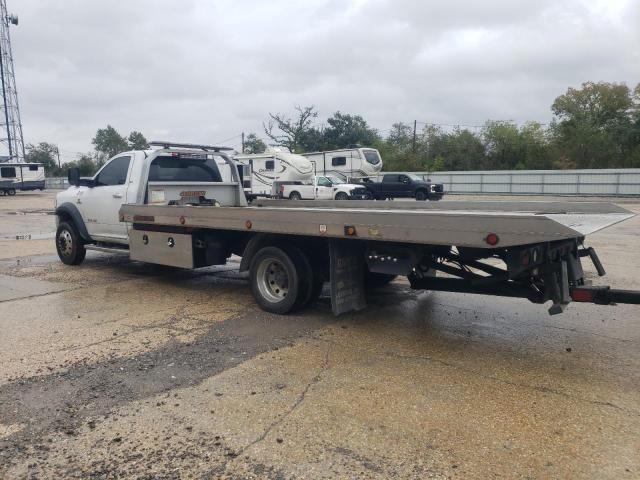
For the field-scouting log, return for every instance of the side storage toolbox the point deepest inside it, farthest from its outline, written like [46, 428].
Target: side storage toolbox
[173, 249]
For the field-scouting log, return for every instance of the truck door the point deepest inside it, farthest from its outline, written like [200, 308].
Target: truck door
[404, 187]
[324, 189]
[391, 185]
[100, 204]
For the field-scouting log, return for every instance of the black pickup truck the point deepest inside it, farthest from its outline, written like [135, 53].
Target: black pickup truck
[407, 185]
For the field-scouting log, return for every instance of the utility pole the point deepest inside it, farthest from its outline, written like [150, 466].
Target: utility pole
[58, 155]
[242, 142]
[413, 147]
[10, 115]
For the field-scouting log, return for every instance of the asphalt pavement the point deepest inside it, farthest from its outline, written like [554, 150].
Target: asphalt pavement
[116, 369]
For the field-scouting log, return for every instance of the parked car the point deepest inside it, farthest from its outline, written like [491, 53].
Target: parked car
[404, 185]
[324, 187]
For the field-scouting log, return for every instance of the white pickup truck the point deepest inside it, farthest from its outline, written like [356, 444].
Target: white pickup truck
[88, 213]
[324, 187]
[171, 206]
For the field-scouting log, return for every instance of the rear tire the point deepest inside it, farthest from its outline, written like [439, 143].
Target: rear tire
[295, 196]
[421, 195]
[11, 192]
[69, 245]
[311, 279]
[275, 280]
[342, 196]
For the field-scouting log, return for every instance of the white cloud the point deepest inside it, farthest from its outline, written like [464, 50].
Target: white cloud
[205, 71]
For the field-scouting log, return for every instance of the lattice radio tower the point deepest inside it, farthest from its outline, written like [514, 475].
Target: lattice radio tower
[11, 134]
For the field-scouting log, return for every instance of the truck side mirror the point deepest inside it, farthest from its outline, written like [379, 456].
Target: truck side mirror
[73, 175]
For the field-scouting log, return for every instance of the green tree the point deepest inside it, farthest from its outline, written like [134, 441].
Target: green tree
[291, 133]
[594, 124]
[45, 153]
[345, 130]
[396, 150]
[137, 141]
[108, 142]
[457, 150]
[537, 152]
[253, 144]
[86, 163]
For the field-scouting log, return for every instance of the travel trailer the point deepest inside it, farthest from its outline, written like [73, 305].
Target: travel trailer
[21, 176]
[350, 162]
[260, 171]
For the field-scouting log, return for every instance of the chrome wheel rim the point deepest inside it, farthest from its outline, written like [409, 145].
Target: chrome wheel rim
[273, 280]
[65, 243]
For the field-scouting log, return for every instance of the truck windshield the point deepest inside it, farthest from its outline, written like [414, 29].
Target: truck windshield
[184, 169]
[371, 156]
[335, 180]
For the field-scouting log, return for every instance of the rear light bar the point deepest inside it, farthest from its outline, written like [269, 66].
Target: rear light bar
[604, 295]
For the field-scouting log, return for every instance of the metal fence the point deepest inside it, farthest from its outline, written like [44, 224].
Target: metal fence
[605, 182]
[56, 183]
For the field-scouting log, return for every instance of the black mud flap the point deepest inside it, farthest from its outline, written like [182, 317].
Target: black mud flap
[347, 276]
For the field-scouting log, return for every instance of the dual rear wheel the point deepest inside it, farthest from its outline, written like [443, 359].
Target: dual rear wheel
[283, 279]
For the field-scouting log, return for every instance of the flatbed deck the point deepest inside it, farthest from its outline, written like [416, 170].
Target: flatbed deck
[464, 224]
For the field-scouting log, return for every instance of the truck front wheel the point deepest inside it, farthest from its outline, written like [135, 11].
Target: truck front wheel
[69, 244]
[275, 280]
[421, 195]
[342, 196]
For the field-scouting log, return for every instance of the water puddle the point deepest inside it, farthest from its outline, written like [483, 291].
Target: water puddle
[32, 212]
[29, 236]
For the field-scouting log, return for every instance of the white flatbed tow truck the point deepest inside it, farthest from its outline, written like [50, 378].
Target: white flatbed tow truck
[531, 250]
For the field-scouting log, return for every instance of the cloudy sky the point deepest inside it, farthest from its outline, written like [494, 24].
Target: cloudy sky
[204, 71]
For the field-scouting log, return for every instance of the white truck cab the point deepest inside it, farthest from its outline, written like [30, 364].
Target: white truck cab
[99, 200]
[324, 187]
[172, 174]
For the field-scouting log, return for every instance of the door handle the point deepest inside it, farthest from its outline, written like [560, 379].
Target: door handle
[117, 195]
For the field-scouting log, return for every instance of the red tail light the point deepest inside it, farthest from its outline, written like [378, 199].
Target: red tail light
[581, 295]
[492, 239]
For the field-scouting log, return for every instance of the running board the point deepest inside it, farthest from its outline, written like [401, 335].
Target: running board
[97, 248]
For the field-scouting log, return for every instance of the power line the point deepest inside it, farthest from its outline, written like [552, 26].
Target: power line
[458, 125]
[228, 139]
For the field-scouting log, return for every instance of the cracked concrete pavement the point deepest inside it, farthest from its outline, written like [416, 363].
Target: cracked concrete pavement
[115, 370]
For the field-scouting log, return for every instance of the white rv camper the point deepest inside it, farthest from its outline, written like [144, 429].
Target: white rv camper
[272, 166]
[350, 162]
[21, 176]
